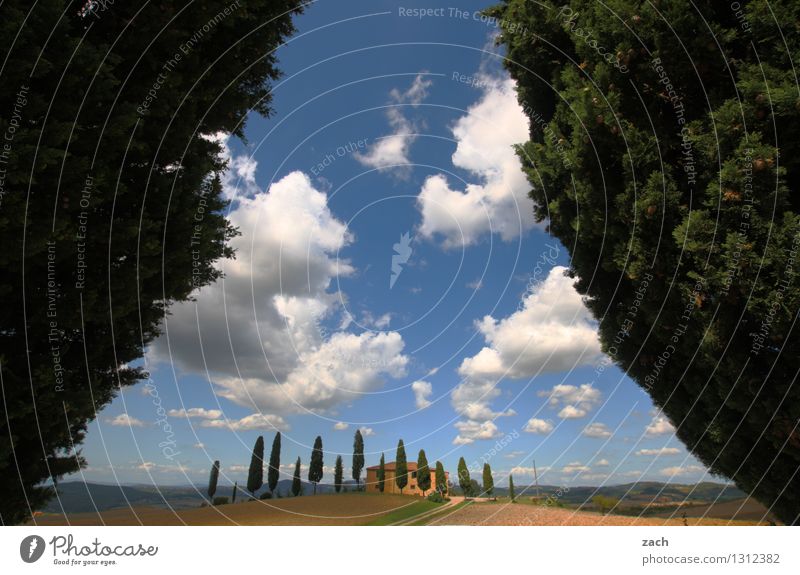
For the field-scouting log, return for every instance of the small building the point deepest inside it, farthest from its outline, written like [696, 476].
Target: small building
[390, 485]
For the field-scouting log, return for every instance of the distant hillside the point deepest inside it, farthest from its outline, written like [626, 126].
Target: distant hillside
[80, 497]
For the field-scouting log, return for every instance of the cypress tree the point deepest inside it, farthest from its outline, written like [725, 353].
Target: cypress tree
[441, 478]
[358, 456]
[315, 467]
[488, 480]
[401, 467]
[464, 478]
[338, 474]
[273, 475]
[255, 475]
[681, 202]
[297, 485]
[212, 480]
[136, 177]
[235, 489]
[511, 493]
[423, 472]
[382, 474]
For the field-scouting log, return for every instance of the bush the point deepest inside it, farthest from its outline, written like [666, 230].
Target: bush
[266, 495]
[437, 497]
[220, 501]
[604, 504]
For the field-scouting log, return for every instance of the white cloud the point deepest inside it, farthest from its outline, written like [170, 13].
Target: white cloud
[391, 152]
[256, 421]
[469, 431]
[239, 180]
[574, 467]
[594, 476]
[679, 470]
[552, 331]
[661, 451]
[597, 430]
[521, 470]
[366, 431]
[422, 391]
[575, 401]
[259, 331]
[238, 468]
[197, 412]
[540, 426]
[497, 201]
[199, 445]
[340, 426]
[659, 426]
[125, 420]
[514, 454]
[602, 463]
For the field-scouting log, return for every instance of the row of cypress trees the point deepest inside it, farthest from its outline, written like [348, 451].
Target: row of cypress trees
[255, 475]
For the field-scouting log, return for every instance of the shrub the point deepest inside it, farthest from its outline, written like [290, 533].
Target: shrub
[220, 501]
[604, 504]
[436, 497]
[266, 495]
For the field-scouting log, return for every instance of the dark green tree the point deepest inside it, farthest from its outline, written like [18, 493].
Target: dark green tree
[233, 493]
[255, 475]
[423, 472]
[338, 474]
[316, 466]
[401, 467]
[511, 493]
[488, 480]
[212, 480]
[463, 477]
[668, 164]
[382, 474]
[274, 473]
[106, 173]
[297, 484]
[441, 478]
[358, 456]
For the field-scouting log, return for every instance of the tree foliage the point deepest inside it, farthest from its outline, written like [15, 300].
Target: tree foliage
[338, 474]
[111, 206]
[488, 480]
[463, 477]
[274, 472]
[382, 474]
[511, 494]
[663, 153]
[297, 484]
[423, 472]
[401, 467]
[441, 478]
[212, 480]
[255, 475]
[358, 456]
[315, 468]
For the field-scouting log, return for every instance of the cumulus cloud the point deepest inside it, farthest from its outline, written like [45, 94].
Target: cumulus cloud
[366, 431]
[125, 420]
[469, 431]
[575, 401]
[551, 331]
[259, 332]
[497, 200]
[681, 470]
[574, 467]
[660, 425]
[256, 421]
[240, 178]
[391, 152]
[602, 463]
[422, 391]
[196, 412]
[661, 451]
[539, 426]
[340, 426]
[597, 430]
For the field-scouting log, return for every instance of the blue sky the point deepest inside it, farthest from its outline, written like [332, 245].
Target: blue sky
[386, 125]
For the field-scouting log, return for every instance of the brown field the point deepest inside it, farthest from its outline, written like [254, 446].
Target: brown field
[342, 509]
[523, 514]
[751, 510]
